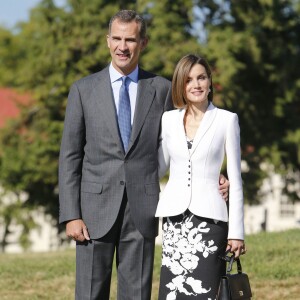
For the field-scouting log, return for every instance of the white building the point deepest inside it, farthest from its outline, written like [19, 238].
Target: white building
[43, 238]
[275, 212]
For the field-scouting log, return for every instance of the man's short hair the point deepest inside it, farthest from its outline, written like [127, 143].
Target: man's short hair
[128, 16]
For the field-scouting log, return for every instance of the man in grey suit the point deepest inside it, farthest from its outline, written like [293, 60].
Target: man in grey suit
[108, 184]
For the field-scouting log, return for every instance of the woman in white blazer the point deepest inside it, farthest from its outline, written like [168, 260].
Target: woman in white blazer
[197, 227]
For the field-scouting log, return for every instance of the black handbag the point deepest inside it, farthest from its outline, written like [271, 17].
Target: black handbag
[234, 286]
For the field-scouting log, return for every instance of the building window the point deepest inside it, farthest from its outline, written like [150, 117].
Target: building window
[287, 208]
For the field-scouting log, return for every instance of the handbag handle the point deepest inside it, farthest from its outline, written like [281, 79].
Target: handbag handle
[238, 263]
[231, 259]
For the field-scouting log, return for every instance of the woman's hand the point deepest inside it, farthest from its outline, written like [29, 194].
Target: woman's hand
[224, 187]
[237, 247]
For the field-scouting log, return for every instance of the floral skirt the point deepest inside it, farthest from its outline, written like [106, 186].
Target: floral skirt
[191, 267]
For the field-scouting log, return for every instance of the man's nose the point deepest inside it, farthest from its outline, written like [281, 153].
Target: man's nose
[123, 45]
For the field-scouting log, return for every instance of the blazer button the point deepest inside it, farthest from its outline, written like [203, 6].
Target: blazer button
[122, 182]
[189, 178]
[189, 185]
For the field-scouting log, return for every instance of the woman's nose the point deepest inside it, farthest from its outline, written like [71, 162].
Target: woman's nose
[197, 83]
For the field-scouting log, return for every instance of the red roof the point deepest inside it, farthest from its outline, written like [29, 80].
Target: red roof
[10, 102]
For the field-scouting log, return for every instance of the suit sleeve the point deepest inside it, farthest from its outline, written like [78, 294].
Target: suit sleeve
[163, 154]
[169, 103]
[236, 202]
[71, 157]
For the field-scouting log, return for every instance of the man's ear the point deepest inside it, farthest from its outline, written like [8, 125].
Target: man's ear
[144, 43]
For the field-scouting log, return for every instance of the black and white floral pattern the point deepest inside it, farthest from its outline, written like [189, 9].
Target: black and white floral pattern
[183, 247]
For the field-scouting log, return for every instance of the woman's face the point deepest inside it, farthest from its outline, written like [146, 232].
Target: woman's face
[197, 85]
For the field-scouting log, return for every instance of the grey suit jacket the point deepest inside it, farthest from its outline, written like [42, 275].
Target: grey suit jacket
[93, 168]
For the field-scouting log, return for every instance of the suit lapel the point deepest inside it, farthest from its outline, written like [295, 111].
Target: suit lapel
[144, 99]
[181, 133]
[104, 97]
[207, 121]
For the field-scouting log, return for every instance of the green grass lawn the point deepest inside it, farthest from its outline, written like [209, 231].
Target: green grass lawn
[272, 263]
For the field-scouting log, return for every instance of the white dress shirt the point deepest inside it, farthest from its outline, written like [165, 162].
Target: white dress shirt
[116, 82]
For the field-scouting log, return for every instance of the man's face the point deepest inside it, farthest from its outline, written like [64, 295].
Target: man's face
[125, 45]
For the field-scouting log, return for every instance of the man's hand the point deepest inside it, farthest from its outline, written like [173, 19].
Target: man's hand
[224, 187]
[77, 230]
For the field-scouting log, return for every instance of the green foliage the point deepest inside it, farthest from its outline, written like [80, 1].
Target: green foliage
[256, 54]
[11, 51]
[170, 24]
[65, 44]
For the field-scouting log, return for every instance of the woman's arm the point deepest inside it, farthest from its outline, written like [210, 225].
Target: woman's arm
[236, 202]
[163, 154]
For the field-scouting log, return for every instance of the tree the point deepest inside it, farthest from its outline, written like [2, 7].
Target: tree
[11, 50]
[255, 53]
[170, 24]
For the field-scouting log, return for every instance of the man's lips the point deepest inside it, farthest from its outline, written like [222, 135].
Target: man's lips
[122, 55]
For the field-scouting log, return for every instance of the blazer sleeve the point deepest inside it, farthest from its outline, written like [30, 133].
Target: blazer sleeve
[236, 202]
[163, 154]
[71, 157]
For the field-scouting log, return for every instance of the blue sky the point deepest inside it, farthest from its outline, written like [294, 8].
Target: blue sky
[13, 11]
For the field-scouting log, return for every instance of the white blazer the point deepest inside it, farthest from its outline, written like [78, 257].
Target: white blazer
[194, 174]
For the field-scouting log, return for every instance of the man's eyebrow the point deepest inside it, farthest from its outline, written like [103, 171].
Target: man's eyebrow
[130, 38]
